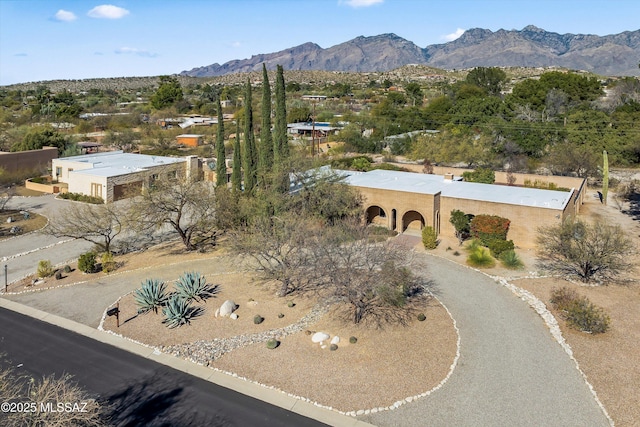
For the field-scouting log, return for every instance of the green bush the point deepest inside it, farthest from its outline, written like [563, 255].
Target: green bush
[511, 260]
[108, 263]
[422, 317]
[489, 227]
[272, 343]
[498, 246]
[429, 238]
[291, 304]
[82, 198]
[353, 340]
[257, 319]
[579, 312]
[482, 175]
[87, 262]
[44, 268]
[481, 258]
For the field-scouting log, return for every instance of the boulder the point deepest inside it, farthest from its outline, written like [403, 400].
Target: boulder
[233, 316]
[227, 308]
[335, 340]
[319, 337]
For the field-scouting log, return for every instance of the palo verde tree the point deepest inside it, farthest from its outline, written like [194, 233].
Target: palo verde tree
[590, 252]
[249, 155]
[265, 160]
[221, 164]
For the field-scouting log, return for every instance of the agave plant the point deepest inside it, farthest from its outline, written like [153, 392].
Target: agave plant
[193, 286]
[151, 295]
[178, 312]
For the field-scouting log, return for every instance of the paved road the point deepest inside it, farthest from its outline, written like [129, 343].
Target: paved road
[142, 392]
[510, 373]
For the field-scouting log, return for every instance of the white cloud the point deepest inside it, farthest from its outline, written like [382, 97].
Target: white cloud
[451, 37]
[65, 16]
[236, 44]
[134, 51]
[360, 3]
[108, 11]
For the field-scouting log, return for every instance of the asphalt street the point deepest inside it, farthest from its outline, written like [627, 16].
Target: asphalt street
[139, 392]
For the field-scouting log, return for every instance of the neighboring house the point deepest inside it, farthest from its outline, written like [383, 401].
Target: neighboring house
[307, 130]
[189, 140]
[405, 200]
[115, 175]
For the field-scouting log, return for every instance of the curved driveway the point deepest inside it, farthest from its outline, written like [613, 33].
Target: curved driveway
[511, 372]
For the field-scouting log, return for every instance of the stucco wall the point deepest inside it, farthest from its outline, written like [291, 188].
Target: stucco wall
[32, 160]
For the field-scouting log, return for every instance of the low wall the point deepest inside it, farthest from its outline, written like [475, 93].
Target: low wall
[46, 188]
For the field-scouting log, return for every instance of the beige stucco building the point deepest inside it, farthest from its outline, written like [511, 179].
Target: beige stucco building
[405, 201]
[114, 175]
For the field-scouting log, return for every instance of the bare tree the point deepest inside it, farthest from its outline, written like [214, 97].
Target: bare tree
[591, 252]
[279, 248]
[374, 279]
[99, 224]
[6, 194]
[187, 206]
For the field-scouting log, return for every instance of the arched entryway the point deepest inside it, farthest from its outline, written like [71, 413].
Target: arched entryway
[376, 215]
[412, 221]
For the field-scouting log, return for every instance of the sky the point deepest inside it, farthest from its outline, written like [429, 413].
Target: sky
[78, 39]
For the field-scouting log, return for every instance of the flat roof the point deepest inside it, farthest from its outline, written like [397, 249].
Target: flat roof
[115, 163]
[432, 184]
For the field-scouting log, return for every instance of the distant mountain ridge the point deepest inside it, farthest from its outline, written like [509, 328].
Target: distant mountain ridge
[617, 54]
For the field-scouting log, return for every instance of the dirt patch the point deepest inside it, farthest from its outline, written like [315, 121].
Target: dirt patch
[25, 224]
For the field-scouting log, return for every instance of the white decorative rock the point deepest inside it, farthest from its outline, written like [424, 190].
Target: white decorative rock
[233, 316]
[319, 337]
[227, 308]
[335, 340]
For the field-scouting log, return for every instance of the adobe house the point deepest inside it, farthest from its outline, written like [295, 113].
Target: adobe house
[114, 175]
[404, 201]
[189, 140]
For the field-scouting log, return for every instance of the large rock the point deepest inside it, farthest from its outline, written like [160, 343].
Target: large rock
[335, 340]
[319, 337]
[226, 308]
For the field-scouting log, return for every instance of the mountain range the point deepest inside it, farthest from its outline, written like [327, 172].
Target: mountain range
[611, 55]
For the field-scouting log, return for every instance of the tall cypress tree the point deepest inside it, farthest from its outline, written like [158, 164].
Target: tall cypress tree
[221, 164]
[236, 173]
[265, 161]
[250, 156]
[281, 145]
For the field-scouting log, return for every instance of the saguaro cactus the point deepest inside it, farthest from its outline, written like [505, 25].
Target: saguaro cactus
[605, 176]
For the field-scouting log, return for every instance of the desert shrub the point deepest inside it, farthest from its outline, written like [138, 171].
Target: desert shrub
[67, 269]
[511, 260]
[151, 295]
[108, 263]
[272, 343]
[44, 268]
[291, 304]
[389, 167]
[82, 198]
[87, 262]
[257, 319]
[193, 286]
[481, 258]
[333, 347]
[473, 245]
[489, 227]
[483, 175]
[353, 340]
[498, 246]
[348, 162]
[178, 312]
[579, 312]
[422, 317]
[429, 238]
[58, 275]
